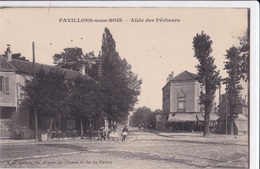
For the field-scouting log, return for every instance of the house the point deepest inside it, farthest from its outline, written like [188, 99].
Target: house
[15, 115]
[241, 119]
[181, 108]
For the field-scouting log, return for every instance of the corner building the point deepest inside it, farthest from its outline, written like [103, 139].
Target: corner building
[15, 114]
[181, 108]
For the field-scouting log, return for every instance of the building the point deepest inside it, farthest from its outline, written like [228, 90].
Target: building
[240, 121]
[15, 115]
[181, 108]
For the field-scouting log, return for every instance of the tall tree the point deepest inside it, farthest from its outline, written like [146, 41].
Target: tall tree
[119, 85]
[73, 58]
[47, 93]
[233, 68]
[207, 74]
[83, 99]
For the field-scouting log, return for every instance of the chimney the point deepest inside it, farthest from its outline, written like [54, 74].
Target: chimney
[8, 54]
[170, 77]
[82, 70]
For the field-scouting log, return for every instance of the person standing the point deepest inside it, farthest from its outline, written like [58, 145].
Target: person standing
[124, 133]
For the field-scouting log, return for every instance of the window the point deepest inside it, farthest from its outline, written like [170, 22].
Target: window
[4, 84]
[182, 104]
[1, 83]
[181, 101]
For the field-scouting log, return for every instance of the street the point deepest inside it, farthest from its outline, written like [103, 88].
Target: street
[150, 150]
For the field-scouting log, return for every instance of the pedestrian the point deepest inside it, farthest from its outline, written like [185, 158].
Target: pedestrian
[102, 133]
[124, 133]
[90, 132]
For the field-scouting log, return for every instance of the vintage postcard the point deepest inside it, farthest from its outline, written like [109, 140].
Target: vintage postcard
[129, 84]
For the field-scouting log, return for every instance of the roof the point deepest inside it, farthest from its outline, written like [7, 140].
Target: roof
[190, 116]
[26, 67]
[185, 75]
[5, 66]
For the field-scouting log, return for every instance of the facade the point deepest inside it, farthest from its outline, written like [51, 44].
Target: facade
[15, 115]
[181, 108]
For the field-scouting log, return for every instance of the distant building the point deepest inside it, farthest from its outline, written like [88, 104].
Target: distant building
[240, 121]
[181, 108]
[15, 115]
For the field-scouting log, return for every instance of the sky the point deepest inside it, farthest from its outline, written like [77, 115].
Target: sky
[154, 49]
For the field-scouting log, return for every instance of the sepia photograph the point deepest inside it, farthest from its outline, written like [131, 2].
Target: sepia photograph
[133, 85]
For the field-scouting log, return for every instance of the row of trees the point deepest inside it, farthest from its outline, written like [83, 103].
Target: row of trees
[112, 90]
[145, 116]
[237, 67]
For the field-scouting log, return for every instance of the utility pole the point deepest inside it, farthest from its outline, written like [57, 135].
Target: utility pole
[34, 106]
[226, 108]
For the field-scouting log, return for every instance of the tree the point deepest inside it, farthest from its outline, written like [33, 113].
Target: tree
[119, 85]
[47, 94]
[207, 74]
[244, 52]
[233, 67]
[140, 116]
[144, 115]
[83, 99]
[18, 56]
[73, 59]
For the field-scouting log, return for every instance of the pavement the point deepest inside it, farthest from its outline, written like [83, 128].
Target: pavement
[153, 149]
[198, 137]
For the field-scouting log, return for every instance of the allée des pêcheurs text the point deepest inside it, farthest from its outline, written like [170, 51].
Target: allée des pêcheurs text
[67, 20]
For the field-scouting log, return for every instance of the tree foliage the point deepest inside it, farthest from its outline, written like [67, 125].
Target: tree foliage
[18, 56]
[144, 115]
[73, 59]
[207, 74]
[47, 92]
[244, 51]
[119, 85]
[83, 98]
[233, 68]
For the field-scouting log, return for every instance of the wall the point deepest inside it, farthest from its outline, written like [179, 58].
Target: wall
[166, 98]
[192, 91]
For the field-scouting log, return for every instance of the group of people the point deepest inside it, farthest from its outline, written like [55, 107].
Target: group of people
[112, 134]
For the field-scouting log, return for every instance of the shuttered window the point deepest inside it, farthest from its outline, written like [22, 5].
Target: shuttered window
[6, 85]
[1, 83]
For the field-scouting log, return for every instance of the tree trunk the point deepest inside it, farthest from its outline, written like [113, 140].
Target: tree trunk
[231, 124]
[36, 123]
[50, 129]
[81, 128]
[206, 121]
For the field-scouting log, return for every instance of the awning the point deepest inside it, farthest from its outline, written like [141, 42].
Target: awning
[182, 117]
[241, 123]
[213, 117]
[241, 117]
[190, 117]
[161, 118]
